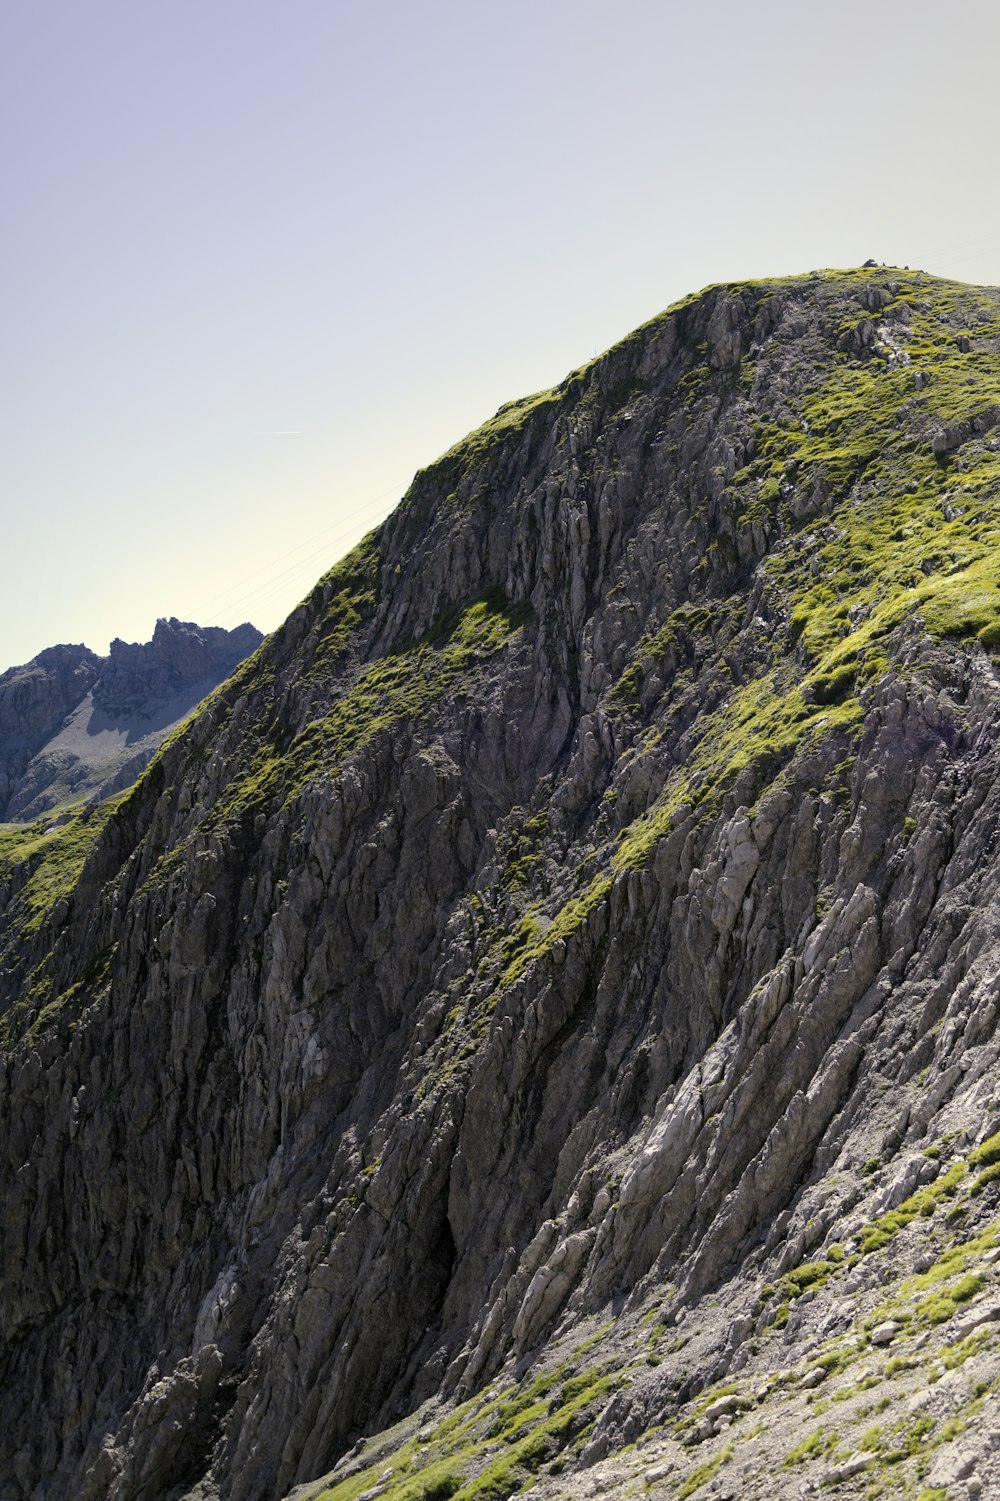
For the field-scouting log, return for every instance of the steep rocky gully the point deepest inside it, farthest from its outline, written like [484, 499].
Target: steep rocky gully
[537, 1027]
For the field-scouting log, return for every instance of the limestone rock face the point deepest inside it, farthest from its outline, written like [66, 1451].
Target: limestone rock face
[555, 978]
[73, 724]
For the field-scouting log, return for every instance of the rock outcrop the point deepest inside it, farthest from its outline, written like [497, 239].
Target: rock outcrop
[537, 1025]
[75, 725]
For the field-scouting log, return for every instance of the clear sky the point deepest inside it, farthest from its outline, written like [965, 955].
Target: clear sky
[261, 259]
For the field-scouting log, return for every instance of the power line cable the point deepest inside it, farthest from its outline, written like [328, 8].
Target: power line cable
[269, 585]
[358, 511]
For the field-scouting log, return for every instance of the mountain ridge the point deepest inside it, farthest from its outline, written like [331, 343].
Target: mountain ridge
[544, 998]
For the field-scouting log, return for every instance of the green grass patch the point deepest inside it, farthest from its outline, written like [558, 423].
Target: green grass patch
[814, 1446]
[492, 1445]
[811, 1274]
[566, 922]
[939, 1306]
[924, 1202]
[952, 1262]
[985, 1178]
[955, 1356]
[987, 1154]
[761, 726]
[394, 690]
[49, 858]
[512, 421]
[705, 1472]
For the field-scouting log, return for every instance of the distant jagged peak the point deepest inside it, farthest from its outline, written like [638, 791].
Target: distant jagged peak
[181, 653]
[53, 659]
[73, 723]
[169, 628]
[171, 635]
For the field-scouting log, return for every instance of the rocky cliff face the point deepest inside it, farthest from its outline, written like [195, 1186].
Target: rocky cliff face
[73, 724]
[536, 1027]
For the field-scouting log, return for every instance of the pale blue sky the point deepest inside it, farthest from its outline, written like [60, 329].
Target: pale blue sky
[260, 261]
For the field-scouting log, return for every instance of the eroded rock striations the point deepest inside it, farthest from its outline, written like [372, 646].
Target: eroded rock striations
[76, 725]
[536, 1027]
